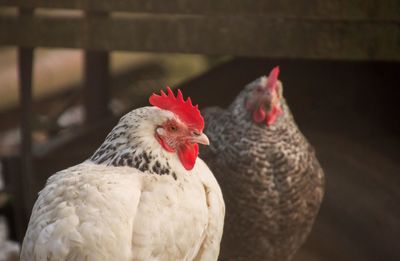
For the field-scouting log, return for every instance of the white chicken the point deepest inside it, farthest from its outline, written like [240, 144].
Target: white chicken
[143, 195]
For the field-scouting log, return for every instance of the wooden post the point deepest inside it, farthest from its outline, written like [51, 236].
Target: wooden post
[12, 175]
[97, 80]
[25, 66]
[96, 87]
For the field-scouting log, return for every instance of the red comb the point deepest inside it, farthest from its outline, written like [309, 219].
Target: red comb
[183, 109]
[273, 78]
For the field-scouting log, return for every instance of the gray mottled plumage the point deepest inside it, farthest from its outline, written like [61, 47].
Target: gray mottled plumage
[271, 180]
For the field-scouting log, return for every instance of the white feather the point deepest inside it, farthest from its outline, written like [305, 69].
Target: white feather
[100, 212]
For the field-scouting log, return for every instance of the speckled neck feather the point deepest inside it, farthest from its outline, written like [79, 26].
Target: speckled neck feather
[125, 145]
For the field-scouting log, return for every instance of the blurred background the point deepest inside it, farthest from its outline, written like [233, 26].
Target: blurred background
[70, 69]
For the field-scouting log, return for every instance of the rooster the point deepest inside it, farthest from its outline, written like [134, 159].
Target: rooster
[272, 182]
[143, 195]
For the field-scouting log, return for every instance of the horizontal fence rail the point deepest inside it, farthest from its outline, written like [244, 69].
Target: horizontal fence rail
[237, 35]
[348, 10]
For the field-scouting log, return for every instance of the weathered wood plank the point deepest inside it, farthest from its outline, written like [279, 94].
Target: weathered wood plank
[244, 36]
[340, 9]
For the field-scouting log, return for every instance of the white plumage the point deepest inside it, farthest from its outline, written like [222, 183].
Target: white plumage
[132, 200]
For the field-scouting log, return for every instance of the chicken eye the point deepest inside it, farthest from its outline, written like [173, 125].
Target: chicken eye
[173, 128]
[195, 133]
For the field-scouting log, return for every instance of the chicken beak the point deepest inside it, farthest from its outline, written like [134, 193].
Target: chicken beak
[201, 139]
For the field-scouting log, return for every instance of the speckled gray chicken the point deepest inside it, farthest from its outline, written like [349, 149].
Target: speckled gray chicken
[271, 180]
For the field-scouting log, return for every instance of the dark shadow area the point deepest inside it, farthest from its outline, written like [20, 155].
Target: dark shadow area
[348, 111]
